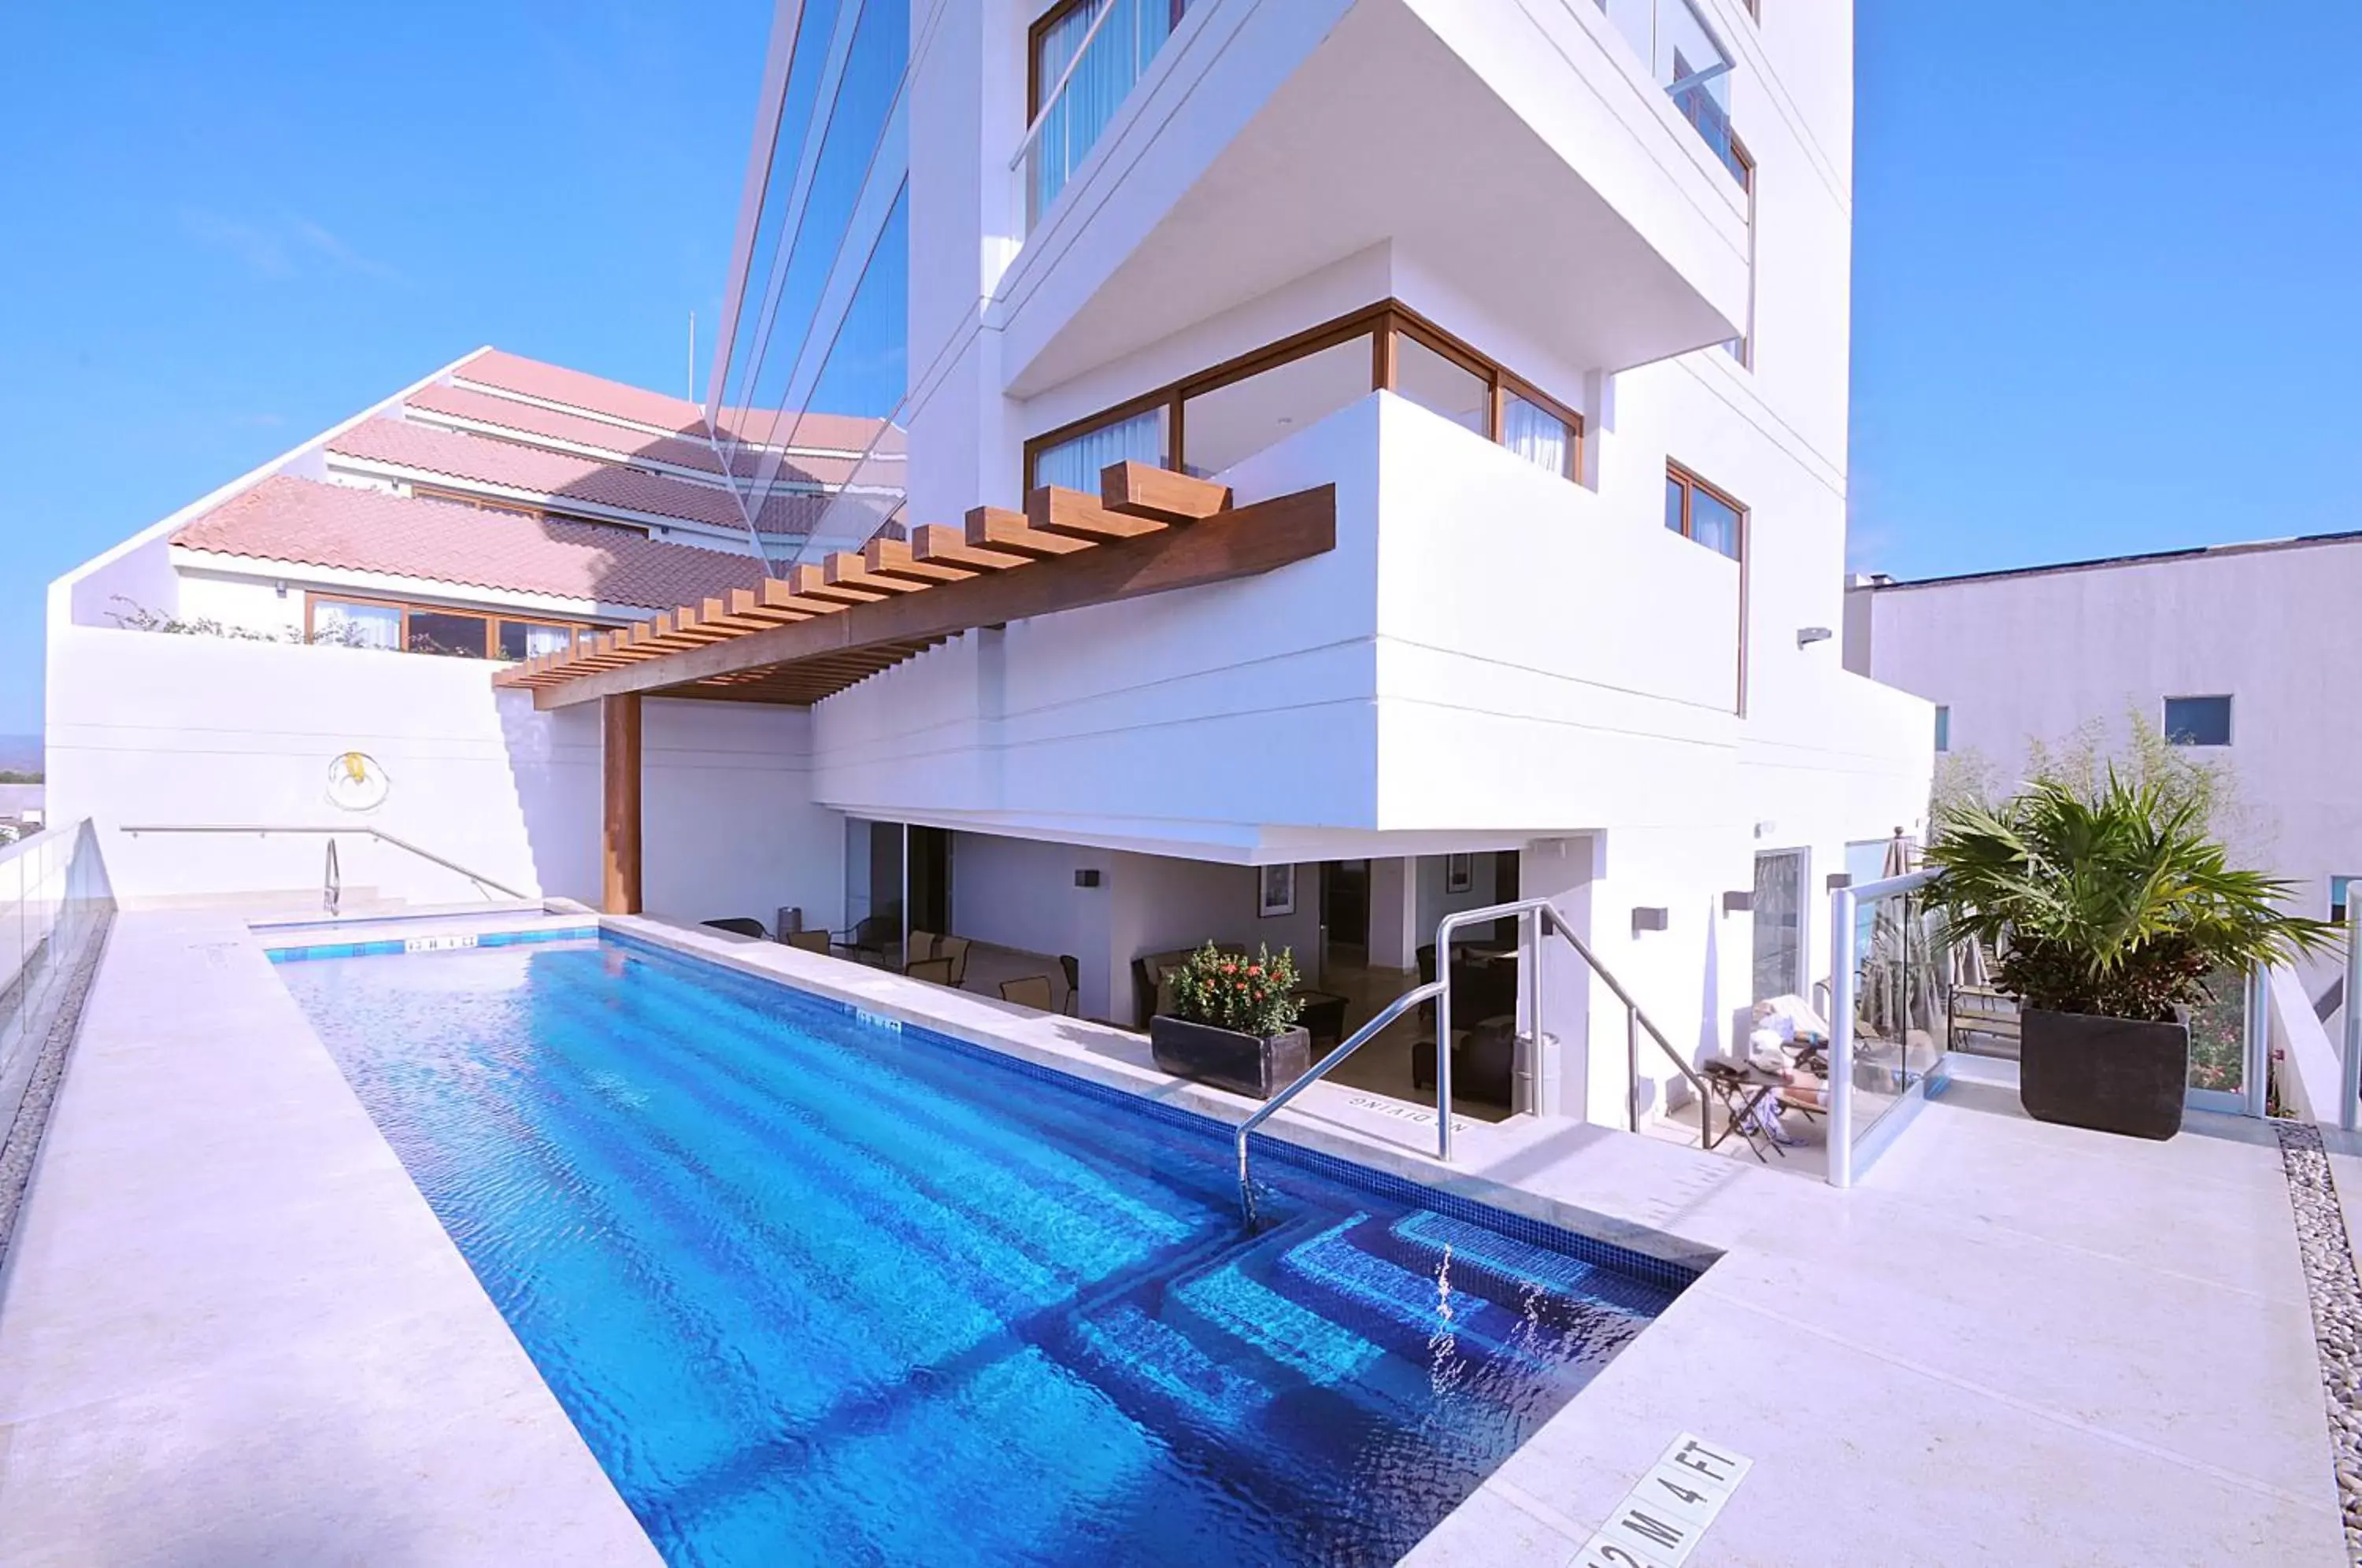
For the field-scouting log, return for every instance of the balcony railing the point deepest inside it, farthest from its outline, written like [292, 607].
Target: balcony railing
[1086, 60]
[1689, 61]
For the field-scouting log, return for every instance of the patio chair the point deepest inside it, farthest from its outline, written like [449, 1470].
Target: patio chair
[867, 940]
[936, 971]
[810, 941]
[1072, 967]
[1032, 991]
[922, 944]
[1484, 1062]
[953, 950]
[738, 925]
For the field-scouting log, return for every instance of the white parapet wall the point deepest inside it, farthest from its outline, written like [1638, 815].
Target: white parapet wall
[151, 729]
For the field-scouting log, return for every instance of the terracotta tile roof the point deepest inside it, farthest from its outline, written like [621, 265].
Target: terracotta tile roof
[514, 373]
[308, 523]
[816, 432]
[687, 450]
[455, 455]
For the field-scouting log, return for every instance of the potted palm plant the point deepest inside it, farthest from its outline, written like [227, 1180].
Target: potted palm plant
[1234, 1022]
[2108, 907]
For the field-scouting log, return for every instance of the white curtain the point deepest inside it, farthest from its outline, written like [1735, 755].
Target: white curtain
[1537, 434]
[1076, 463]
[1118, 55]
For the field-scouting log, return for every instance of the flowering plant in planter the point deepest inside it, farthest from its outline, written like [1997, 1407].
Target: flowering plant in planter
[1230, 990]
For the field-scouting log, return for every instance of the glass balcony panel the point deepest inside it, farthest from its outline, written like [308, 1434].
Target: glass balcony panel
[1235, 421]
[1441, 384]
[1085, 63]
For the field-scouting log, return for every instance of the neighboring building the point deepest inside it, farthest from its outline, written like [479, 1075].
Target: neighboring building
[2233, 651]
[21, 811]
[1546, 306]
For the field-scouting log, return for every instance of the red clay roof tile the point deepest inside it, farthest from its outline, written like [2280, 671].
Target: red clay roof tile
[308, 523]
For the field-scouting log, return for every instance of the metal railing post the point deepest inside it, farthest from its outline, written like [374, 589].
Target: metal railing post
[2350, 1078]
[1842, 959]
[1443, 1049]
[1632, 1071]
[2255, 1055]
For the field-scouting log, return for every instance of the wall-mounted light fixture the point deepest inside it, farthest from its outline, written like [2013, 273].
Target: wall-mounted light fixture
[1087, 877]
[1738, 904]
[1807, 636]
[1839, 879]
[1649, 918]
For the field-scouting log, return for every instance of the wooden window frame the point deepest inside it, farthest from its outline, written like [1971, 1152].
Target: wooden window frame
[314, 597]
[1690, 484]
[1043, 24]
[1380, 323]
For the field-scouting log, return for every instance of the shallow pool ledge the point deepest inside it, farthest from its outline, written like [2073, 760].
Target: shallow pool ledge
[231, 1330]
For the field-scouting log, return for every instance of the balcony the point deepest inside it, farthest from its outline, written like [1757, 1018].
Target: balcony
[1085, 58]
[1493, 152]
[1692, 65]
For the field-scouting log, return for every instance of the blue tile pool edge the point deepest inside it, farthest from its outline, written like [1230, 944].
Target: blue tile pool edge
[1674, 1274]
[387, 946]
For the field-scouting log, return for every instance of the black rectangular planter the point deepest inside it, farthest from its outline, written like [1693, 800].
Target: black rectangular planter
[2111, 1075]
[1228, 1059]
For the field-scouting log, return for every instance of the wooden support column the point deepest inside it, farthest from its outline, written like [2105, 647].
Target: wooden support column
[620, 754]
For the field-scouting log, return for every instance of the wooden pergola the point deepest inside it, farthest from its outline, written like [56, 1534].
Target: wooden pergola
[823, 628]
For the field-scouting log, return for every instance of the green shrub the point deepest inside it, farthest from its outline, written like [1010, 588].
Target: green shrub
[1230, 990]
[2111, 899]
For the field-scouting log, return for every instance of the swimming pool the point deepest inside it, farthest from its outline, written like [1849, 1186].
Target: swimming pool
[816, 1287]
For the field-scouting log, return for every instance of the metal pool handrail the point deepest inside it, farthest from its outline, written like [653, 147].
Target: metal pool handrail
[1548, 921]
[481, 881]
[1352, 1042]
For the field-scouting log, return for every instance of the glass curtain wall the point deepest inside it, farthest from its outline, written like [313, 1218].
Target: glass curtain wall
[813, 372]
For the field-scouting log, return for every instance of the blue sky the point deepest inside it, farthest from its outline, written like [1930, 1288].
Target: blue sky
[2103, 253]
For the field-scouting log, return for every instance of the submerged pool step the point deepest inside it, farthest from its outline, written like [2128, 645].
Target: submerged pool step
[1426, 1304]
[1525, 1268]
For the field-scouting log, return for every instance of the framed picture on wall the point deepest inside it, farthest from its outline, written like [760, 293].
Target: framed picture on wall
[1278, 891]
[1458, 873]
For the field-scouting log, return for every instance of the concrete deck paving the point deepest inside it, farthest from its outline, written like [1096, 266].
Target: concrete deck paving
[234, 1332]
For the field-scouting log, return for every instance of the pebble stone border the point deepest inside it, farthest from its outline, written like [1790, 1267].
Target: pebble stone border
[2336, 1292]
[23, 1136]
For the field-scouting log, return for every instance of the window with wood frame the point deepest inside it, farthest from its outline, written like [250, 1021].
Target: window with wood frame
[356, 621]
[1696, 510]
[1205, 424]
[1082, 60]
[1742, 348]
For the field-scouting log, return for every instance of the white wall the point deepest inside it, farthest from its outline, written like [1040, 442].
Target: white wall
[2034, 656]
[147, 728]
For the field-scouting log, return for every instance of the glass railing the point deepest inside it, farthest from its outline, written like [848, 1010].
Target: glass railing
[1086, 62]
[1893, 978]
[1690, 63]
[55, 903]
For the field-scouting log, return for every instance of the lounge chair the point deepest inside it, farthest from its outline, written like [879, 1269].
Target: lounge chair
[1032, 991]
[738, 925]
[937, 970]
[953, 950]
[1484, 1062]
[810, 941]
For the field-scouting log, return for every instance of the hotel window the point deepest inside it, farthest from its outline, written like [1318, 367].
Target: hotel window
[1085, 59]
[1695, 510]
[356, 624]
[1213, 421]
[2198, 721]
[1943, 727]
[420, 628]
[2341, 888]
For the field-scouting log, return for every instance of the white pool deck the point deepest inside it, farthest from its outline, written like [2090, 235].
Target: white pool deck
[232, 1332]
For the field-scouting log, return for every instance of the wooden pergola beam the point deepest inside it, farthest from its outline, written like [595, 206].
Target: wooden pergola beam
[1229, 545]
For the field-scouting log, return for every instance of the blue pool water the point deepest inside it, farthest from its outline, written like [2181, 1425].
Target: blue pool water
[818, 1289]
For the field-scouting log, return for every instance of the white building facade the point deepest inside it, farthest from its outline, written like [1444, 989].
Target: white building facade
[1553, 294]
